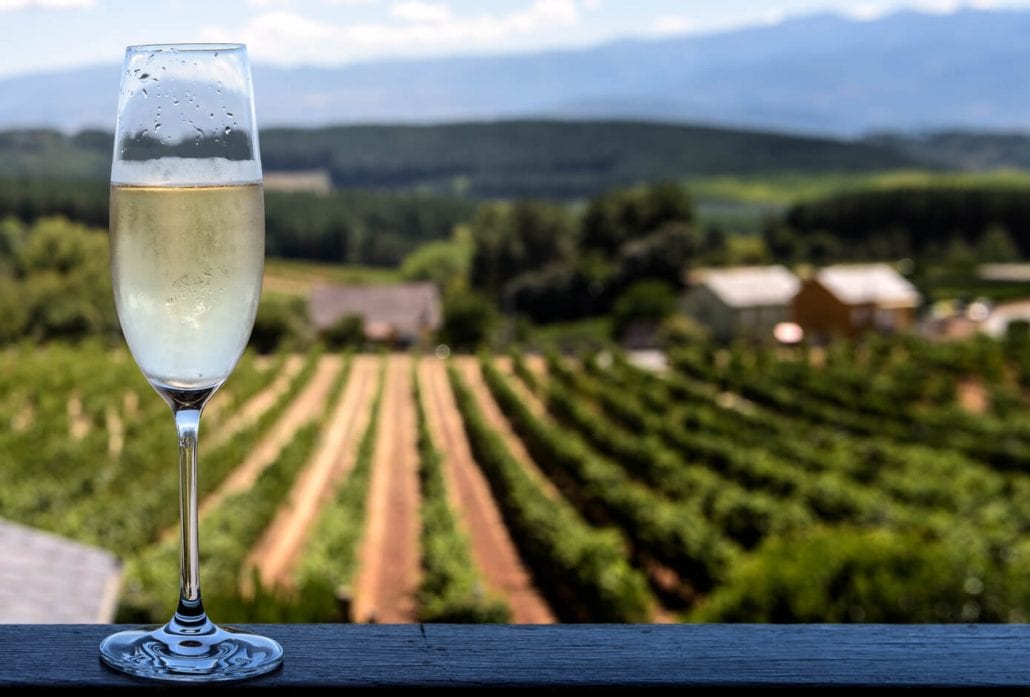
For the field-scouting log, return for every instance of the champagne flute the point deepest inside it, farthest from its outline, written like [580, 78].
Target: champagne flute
[187, 253]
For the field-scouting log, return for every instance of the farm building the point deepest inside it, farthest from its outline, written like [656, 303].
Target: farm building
[850, 300]
[745, 301]
[50, 579]
[402, 313]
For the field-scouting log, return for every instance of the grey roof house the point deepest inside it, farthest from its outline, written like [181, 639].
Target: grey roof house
[403, 312]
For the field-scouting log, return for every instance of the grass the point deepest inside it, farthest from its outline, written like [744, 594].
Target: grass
[295, 277]
[591, 332]
[740, 203]
[788, 188]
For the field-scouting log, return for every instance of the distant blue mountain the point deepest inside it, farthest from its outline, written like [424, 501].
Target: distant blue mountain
[818, 74]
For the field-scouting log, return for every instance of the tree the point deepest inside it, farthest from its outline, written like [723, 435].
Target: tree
[348, 331]
[618, 216]
[445, 263]
[645, 302]
[997, 245]
[662, 254]
[281, 322]
[514, 238]
[468, 318]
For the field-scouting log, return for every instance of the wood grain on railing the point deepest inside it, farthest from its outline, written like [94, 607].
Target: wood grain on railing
[575, 655]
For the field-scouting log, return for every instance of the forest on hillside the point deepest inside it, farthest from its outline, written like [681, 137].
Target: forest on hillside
[507, 159]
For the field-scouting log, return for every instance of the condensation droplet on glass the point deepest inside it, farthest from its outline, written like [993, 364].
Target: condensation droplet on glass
[144, 93]
[229, 114]
[228, 130]
[174, 100]
[144, 76]
[157, 127]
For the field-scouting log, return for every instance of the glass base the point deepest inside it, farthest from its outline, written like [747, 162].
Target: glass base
[177, 653]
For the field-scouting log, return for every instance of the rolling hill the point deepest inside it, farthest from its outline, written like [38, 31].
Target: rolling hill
[553, 159]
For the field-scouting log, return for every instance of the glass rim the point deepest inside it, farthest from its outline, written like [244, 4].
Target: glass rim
[190, 47]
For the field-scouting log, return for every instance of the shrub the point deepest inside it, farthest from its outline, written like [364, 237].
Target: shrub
[855, 575]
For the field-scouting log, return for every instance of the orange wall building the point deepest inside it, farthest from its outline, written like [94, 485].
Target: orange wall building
[848, 301]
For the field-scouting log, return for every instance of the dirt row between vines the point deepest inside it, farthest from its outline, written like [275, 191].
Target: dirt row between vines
[389, 566]
[389, 559]
[276, 554]
[493, 550]
[304, 408]
[256, 406]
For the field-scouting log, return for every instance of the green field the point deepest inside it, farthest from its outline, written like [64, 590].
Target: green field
[741, 203]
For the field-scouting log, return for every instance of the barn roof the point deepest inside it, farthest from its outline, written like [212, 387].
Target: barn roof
[877, 284]
[750, 286]
[48, 579]
[407, 308]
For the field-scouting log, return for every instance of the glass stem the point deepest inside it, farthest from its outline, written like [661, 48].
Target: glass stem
[187, 423]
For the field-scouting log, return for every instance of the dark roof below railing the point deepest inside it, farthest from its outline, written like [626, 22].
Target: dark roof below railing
[47, 578]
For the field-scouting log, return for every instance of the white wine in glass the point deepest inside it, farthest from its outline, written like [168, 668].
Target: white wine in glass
[187, 254]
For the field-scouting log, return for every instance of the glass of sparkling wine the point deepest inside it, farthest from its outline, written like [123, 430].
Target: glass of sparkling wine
[187, 254]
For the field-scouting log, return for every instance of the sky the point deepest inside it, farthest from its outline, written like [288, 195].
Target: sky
[45, 35]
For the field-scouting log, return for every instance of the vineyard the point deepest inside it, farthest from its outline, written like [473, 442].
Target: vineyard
[887, 480]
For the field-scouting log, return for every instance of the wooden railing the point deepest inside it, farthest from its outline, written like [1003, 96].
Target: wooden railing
[575, 655]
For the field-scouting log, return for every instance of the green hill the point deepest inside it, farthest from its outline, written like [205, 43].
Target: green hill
[549, 159]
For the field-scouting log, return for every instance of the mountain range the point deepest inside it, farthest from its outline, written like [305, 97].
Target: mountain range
[821, 74]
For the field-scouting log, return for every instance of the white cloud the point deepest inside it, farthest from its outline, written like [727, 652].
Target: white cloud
[13, 5]
[418, 11]
[938, 7]
[672, 24]
[866, 12]
[288, 37]
[869, 11]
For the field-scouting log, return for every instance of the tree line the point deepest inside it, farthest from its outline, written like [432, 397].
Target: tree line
[550, 159]
[347, 226]
[923, 222]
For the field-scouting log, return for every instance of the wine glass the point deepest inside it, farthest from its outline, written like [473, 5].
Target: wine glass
[187, 254]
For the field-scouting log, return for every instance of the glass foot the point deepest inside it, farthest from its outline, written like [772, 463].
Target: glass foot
[176, 653]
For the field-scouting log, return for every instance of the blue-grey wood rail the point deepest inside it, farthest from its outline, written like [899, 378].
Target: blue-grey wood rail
[574, 655]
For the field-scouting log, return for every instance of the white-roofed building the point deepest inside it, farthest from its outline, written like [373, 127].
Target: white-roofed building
[743, 301]
[850, 300]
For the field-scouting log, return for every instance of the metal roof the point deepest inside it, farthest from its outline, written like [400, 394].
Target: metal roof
[862, 284]
[47, 579]
[750, 286]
